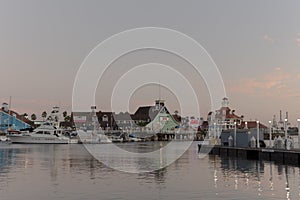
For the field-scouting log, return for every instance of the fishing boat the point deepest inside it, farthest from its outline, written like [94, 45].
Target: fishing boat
[44, 134]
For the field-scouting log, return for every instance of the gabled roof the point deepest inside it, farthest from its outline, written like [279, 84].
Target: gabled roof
[177, 118]
[229, 114]
[146, 113]
[111, 121]
[232, 116]
[18, 116]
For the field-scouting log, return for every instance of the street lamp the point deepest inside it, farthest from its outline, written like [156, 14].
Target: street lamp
[257, 134]
[270, 133]
[246, 125]
[285, 128]
[215, 132]
[234, 134]
[298, 120]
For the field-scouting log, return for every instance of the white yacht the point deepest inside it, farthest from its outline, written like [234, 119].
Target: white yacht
[92, 137]
[44, 134]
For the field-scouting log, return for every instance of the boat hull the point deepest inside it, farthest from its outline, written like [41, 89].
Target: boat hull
[38, 140]
[89, 138]
[4, 140]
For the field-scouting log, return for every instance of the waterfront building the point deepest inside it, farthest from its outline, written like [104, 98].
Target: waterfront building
[107, 120]
[243, 137]
[253, 125]
[146, 122]
[223, 118]
[11, 120]
[226, 115]
[155, 118]
[225, 123]
[177, 117]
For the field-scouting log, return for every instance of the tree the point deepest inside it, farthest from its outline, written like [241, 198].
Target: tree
[25, 115]
[65, 114]
[68, 118]
[44, 115]
[33, 117]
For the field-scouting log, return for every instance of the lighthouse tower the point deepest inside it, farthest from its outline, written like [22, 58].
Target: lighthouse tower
[225, 102]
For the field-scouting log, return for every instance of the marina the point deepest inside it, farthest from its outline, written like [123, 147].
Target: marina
[149, 100]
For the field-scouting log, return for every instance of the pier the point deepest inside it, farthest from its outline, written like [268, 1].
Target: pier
[281, 156]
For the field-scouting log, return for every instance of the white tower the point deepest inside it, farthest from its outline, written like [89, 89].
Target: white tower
[225, 102]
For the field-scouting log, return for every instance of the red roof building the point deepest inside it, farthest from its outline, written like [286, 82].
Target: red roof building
[251, 124]
[10, 119]
[226, 115]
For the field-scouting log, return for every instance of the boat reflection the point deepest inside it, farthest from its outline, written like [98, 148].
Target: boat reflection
[55, 165]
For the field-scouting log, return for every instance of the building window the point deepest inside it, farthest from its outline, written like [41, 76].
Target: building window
[105, 118]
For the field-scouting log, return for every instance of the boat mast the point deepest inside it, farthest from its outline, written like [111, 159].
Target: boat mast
[94, 119]
[8, 119]
[159, 91]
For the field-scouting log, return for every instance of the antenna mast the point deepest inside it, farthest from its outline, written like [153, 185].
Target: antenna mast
[159, 92]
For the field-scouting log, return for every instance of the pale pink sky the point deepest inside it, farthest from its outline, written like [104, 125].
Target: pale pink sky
[255, 44]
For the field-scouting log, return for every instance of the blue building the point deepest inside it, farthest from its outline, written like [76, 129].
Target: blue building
[12, 120]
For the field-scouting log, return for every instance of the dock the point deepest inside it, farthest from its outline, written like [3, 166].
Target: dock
[281, 156]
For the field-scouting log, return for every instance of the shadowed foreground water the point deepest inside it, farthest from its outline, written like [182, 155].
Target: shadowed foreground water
[68, 172]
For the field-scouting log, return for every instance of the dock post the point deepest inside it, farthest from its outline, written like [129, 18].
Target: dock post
[234, 134]
[285, 133]
[270, 133]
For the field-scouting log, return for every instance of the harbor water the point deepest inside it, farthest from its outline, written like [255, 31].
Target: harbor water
[64, 172]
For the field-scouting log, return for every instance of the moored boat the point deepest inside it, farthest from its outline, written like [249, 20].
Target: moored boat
[45, 134]
[90, 137]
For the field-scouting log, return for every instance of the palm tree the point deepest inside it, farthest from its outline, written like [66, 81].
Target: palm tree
[44, 115]
[25, 115]
[65, 114]
[68, 118]
[49, 118]
[33, 117]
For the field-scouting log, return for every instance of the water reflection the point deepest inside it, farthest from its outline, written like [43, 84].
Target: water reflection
[268, 178]
[145, 161]
[70, 172]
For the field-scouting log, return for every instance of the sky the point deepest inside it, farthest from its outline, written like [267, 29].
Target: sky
[255, 45]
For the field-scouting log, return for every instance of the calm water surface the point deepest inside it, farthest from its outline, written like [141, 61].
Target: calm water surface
[69, 172]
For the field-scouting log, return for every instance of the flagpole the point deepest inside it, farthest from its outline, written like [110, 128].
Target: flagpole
[159, 92]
